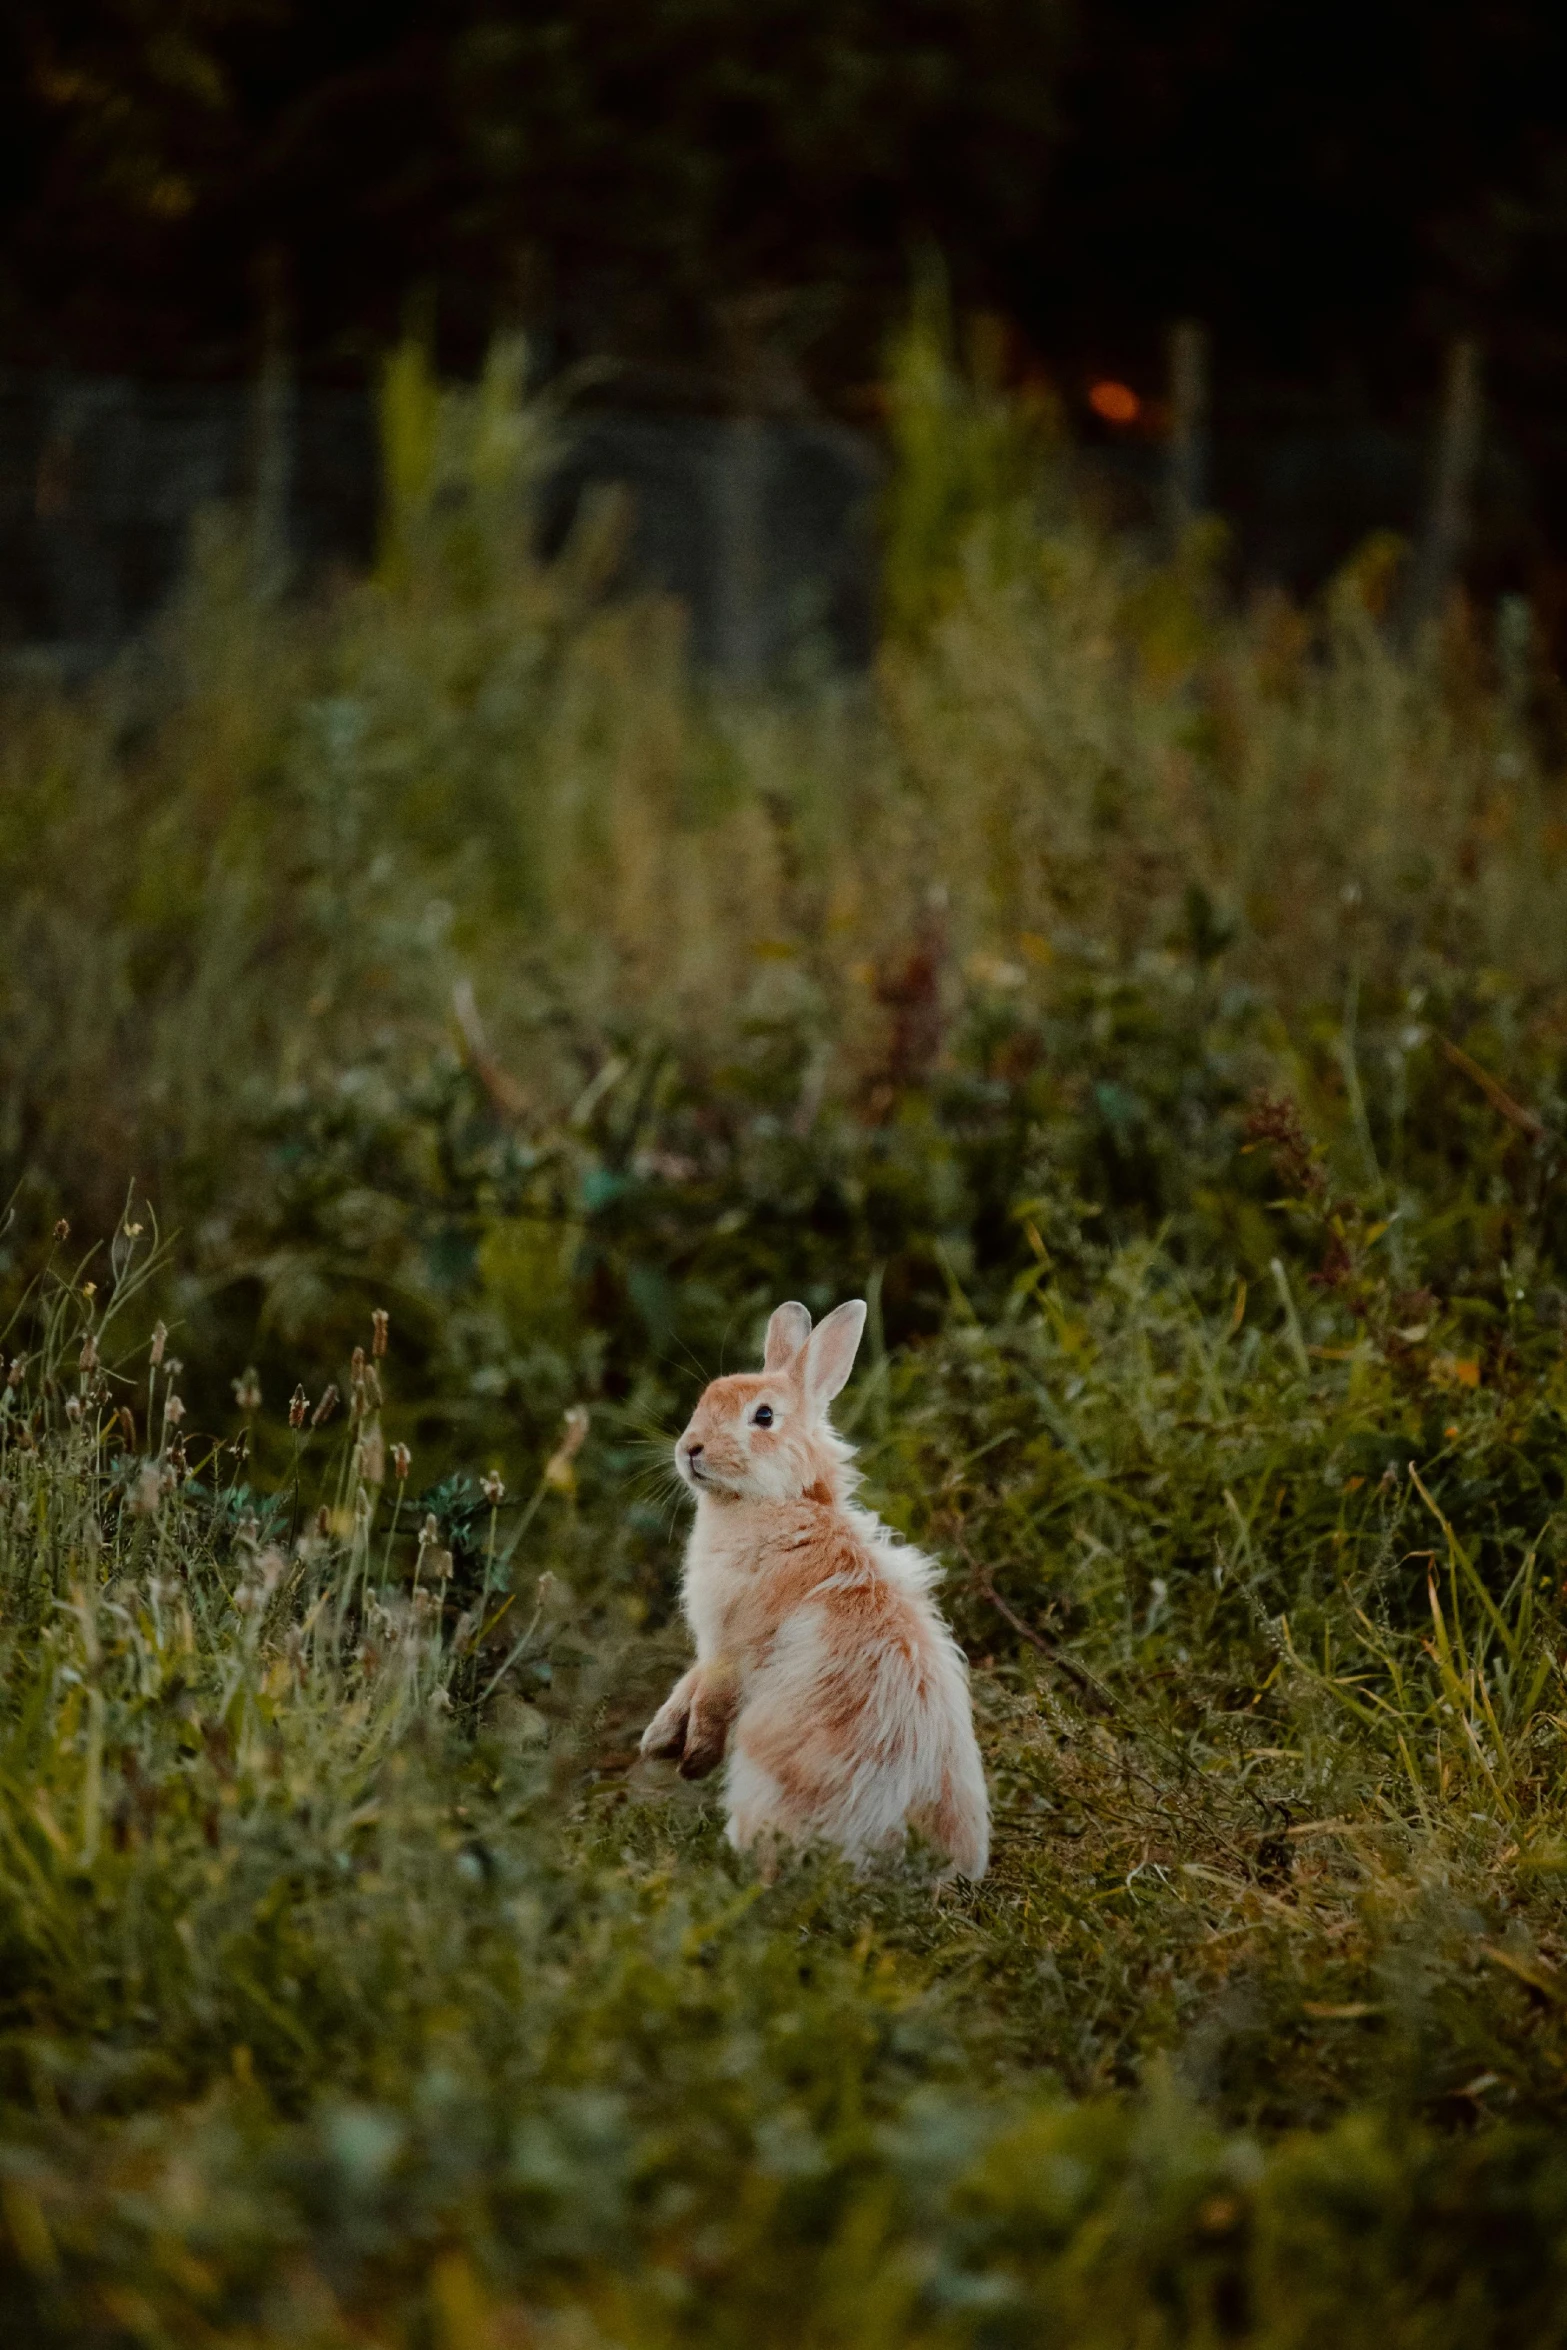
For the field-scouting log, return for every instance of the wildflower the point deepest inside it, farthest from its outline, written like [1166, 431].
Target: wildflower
[247, 1389]
[1273, 1123]
[177, 1459]
[558, 1470]
[62, 1230]
[325, 1408]
[130, 1230]
[160, 1339]
[73, 1409]
[144, 1494]
[494, 1489]
[13, 1377]
[127, 1419]
[463, 1636]
[402, 1462]
[299, 1404]
[380, 1322]
[372, 1457]
[174, 1409]
[430, 1544]
[87, 1360]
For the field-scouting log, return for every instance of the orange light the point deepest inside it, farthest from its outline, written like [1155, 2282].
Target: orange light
[1116, 403]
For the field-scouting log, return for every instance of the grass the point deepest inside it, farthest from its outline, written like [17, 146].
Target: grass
[1154, 1006]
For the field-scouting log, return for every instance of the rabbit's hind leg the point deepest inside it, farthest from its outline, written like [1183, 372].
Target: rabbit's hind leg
[761, 1820]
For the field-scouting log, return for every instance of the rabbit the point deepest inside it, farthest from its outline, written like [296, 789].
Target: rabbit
[822, 1663]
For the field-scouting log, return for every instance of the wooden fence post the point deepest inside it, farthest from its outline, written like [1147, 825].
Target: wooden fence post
[272, 479]
[742, 548]
[1456, 461]
[1186, 480]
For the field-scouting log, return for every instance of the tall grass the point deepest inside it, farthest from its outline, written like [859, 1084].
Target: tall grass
[1153, 1006]
[270, 831]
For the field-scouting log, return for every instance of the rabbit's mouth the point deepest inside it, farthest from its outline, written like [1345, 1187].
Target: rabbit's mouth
[702, 1479]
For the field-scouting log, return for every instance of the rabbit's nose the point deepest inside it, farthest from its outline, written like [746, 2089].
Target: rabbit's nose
[693, 1452]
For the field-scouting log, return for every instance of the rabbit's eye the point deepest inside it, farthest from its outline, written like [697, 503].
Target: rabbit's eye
[762, 1417]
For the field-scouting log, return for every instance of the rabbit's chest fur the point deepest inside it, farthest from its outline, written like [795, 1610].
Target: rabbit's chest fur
[747, 1566]
[752, 1567]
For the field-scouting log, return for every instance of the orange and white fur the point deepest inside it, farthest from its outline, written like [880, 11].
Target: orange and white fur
[822, 1663]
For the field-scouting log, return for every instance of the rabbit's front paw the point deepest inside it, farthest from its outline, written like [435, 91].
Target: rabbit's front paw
[713, 1706]
[664, 1739]
[703, 1749]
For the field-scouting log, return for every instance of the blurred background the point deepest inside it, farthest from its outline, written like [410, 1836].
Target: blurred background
[1308, 261]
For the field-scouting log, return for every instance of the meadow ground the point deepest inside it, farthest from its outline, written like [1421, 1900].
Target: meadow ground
[1157, 1010]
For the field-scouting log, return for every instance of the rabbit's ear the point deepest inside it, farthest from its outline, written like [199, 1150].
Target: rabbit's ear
[829, 1358]
[787, 1332]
